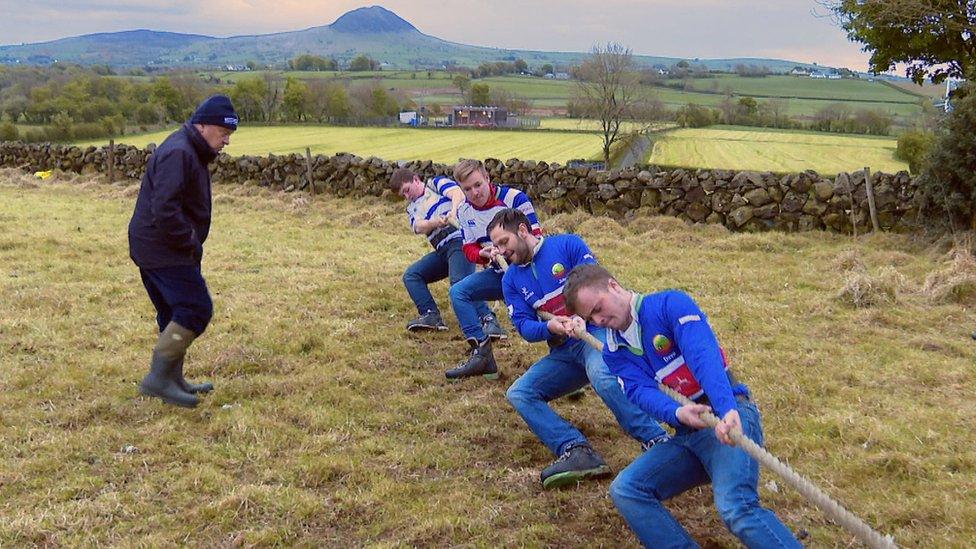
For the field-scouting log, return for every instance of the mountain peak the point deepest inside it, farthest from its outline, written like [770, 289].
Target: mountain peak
[371, 19]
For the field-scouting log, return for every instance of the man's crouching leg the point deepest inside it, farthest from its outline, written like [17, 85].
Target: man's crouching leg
[165, 371]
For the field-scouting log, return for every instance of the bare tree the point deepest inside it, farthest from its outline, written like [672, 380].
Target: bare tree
[272, 95]
[608, 89]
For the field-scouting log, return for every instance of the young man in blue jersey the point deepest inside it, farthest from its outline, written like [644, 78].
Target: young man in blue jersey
[534, 283]
[665, 338]
[482, 201]
[431, 211]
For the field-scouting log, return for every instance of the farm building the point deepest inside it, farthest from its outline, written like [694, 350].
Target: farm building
[481, 117]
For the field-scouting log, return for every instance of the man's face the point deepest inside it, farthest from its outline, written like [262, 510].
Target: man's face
[514, 246]
[606, 307]
[476, 188]
[217, 137]
[411, 190]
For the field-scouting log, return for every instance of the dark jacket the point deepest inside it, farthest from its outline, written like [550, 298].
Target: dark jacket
[172, 215]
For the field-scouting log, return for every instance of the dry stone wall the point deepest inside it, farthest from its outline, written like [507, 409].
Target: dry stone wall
[742, 201]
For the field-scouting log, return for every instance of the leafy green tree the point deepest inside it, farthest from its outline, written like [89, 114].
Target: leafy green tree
[248, 95]
[547, 69]
[295, 100]
[521, 65]
[695, 116]
[8, 132]
[913, 146]
[934, 38]
[948, 180]
[461, 82]
[480, 95]
[165, 95]
[363, 63]
[308, 62]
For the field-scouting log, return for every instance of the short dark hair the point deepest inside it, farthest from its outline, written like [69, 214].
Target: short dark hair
[399, 177]
[509, 219]
[588, 275]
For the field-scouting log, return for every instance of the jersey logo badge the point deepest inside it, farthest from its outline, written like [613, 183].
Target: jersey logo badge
[662, 345]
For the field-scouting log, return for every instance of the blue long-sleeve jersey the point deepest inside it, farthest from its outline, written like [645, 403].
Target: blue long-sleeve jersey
[670, 342]
[538, 286]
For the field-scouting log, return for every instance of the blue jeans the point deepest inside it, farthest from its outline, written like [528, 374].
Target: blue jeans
[468, 300]
[564, 370]
[448, 261]
[692, 458]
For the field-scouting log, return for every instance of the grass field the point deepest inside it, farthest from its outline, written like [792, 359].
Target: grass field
[332, 426]
[720, 147]
[440, 145]
[804, 96]
[590, 125]
[732, 147]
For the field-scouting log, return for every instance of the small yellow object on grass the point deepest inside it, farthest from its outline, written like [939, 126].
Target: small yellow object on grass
[44, 174]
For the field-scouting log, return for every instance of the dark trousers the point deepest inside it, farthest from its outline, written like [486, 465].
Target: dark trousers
[180, 295]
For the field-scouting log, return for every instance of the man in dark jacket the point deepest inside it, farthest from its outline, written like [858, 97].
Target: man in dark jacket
[166, 235]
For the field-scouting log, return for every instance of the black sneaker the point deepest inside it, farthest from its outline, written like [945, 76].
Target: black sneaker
[431, 320]
[491, 327]
[645, 446]
[480, 363]
[577, 463]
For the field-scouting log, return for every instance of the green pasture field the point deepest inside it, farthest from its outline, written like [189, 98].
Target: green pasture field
[845, 89]
[740, 148]
[804, 96]
[591, 125]
[440, 145]
[332, 426]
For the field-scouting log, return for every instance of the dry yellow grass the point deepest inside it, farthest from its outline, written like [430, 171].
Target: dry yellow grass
[331, 426]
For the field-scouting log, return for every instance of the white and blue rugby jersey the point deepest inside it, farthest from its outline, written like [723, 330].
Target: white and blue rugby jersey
[434, 203]
[474, 220]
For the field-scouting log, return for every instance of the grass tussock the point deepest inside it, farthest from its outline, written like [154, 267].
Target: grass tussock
[862, 288]
[956, 281]
[332, 426]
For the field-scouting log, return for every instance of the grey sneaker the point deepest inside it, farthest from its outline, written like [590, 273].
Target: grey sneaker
[577, 463]
[431, 320]
[491, 327]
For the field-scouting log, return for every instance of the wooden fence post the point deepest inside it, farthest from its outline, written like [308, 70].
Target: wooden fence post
[308, 170]
[111, 161]
[869, 187]
[850, 193]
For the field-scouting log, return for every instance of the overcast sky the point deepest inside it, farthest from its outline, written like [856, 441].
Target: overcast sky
[786, 29]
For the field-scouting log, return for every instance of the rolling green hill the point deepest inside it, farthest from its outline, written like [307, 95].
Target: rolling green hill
[374, 31]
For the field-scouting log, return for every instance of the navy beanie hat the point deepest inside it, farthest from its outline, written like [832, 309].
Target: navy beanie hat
[216, 110]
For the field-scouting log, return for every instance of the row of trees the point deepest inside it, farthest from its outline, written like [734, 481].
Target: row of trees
[309, 62]
[79, 104]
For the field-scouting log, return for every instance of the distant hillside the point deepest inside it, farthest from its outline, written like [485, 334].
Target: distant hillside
[374, 31]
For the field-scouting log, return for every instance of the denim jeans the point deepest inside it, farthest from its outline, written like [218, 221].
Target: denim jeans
[448, 261]
[564, 370]
[468, 300]
[692, 458]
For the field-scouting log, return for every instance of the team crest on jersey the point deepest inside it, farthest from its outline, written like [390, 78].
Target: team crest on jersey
[662, 345]
[558, 270]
